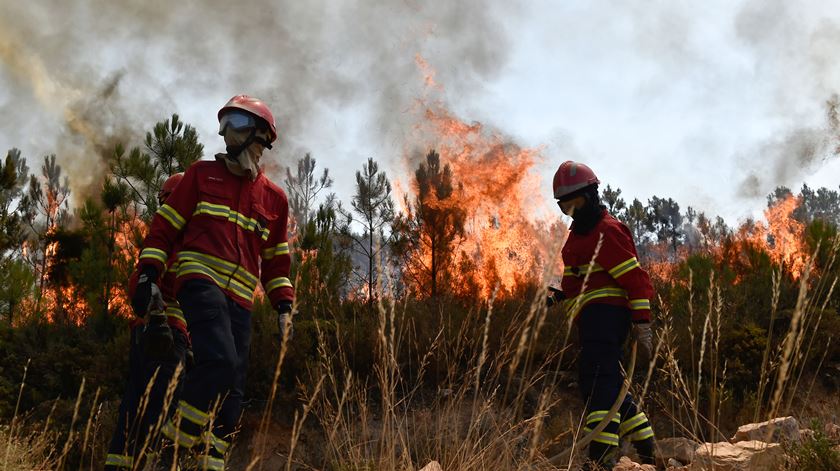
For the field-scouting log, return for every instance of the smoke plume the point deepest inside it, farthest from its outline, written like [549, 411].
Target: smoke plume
[81, 76]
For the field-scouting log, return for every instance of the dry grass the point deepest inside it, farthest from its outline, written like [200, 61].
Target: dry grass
[496, 405]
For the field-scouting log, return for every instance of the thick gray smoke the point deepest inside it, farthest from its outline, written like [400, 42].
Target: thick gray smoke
[77, 77]
[783, 50]
[796, 47]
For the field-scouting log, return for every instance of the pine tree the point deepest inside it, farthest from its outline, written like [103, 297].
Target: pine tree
[614, 202]
[45, 208]
[432, 228]
[374, 211]
[14, 174]
[171, 147]
[325, 265]
[303, 188]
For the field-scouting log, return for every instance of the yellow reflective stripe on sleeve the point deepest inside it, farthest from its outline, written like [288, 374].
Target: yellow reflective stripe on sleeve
[624, 267]
[169, 213]
[120, 461]
[192, 414]
[574, 305]
[279, 249]
[632, 423]
[220, 445]
[640, 304]
[248, 279]
[153, 254]
[642, 434]
[175, 313]
[279, 282]
[229, 283]
[238, 218]
[178, 436]
[581, 270]
[210, 463]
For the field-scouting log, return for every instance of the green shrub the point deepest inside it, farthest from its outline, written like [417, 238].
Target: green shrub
[817, 453]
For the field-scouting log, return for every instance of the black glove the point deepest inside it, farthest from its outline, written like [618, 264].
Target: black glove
[555, 296]
[284, 319]
[158, 336]
[143, 291]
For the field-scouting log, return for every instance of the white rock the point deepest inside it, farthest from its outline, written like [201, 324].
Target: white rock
[773, 431]
[751, 455]
[432, 466]
[626, 464]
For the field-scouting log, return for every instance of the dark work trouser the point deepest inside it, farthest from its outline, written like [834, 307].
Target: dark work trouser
[213, 389]
[139, 413]
[603, 329]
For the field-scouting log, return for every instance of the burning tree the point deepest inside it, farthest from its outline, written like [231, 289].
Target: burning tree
[432, 227]
[46, 209]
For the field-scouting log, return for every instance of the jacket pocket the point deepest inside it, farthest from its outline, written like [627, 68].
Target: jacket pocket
[265, 219]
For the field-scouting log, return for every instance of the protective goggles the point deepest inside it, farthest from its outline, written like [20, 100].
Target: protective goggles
[237, 120]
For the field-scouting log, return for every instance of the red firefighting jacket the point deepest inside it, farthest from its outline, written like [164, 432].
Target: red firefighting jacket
[232, 232]
[615, 277]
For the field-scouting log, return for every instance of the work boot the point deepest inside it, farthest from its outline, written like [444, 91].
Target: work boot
[601, 457]
[644, 448]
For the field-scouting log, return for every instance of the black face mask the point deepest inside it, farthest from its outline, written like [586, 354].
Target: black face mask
[586, 218]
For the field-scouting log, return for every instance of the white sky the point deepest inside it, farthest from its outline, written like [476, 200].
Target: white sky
[669, 98]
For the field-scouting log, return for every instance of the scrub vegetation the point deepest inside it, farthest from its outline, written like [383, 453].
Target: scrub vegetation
[407, 347]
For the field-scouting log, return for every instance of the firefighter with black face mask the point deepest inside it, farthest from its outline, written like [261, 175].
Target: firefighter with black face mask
[608, 293]
[231, 221]
[159, 344]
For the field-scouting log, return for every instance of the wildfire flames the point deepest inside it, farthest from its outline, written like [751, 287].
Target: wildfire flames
[498, 190]
[63, 299]
[782, 236]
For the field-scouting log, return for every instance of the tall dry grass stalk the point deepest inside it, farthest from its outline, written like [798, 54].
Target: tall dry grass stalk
[262, 435]
[477, 419]
[783, 365]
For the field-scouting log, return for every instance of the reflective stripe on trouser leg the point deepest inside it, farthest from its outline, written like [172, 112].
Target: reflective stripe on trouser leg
[119, 461]
[221, 337]
[609, 435]
[602, 330]
[185, 427]
[636, 427]
[141, 406]
[210, 463]
[205, 307]
[231, 409]
[211, 456]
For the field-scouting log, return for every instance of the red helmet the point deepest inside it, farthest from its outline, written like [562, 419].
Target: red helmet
[571, 177]
[169, 186]
[254, 106]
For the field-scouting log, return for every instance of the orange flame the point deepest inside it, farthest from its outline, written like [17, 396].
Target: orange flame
[498, 189]
[782, 237]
